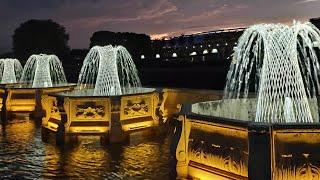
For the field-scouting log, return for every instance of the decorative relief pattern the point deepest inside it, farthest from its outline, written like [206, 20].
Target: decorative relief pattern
[163, 109]
[299, 158]
[155, 108]
[49, 104]
[217, 150]
[89, 110]
[54, 109]
[135, 107]
[296, 171]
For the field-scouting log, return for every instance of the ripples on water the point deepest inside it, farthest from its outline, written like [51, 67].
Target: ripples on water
[24, 155]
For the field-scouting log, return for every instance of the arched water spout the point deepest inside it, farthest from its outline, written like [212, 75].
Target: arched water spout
[281, 87]
[43, 71]
[110, 70]
[10, 70]
[279, 64]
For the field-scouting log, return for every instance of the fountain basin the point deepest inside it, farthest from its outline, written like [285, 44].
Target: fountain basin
[80, 112]
[173, 98]
[213, 147]
[26, 98]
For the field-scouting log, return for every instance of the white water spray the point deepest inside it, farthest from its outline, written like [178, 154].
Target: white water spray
[282, 63]
[43, 71]
[10, 70]
[110, 70]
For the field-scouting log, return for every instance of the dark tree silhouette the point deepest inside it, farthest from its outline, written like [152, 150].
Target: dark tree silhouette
[316, 22]
[40, 36]
[7, 55]
[182, 40]
[137, 44]
[190, 40]
[172, 42]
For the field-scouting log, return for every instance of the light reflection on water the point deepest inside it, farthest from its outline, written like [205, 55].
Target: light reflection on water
[24, 155]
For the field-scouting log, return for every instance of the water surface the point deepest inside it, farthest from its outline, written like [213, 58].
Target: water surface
[24, 155]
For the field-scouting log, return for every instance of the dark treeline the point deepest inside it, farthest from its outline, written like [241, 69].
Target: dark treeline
[136, 44]
[40, 36]
[47, 36]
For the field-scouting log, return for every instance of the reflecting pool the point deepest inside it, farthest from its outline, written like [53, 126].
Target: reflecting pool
[24, 155]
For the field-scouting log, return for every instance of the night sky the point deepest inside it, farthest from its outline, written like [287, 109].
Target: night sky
[154, 17]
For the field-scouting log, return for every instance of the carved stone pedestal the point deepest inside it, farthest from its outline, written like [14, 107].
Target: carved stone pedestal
[38, 112]
[116, 133]
[25, 98]
[110, 117]
[212, 147]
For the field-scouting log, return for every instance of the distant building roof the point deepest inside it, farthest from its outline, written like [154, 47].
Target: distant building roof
[219, 31]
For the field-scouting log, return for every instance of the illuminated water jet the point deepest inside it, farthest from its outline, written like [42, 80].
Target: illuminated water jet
[110, 70]
[279, 63]
[109, 102]
[10, 70]
[43, 71]
[267, 124]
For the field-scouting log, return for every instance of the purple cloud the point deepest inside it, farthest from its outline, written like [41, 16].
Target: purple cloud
[167, 17]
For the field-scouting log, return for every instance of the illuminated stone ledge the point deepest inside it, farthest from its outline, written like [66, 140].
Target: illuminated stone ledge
[25, 98]
[111, 117]
[220, 148]
[173, 98]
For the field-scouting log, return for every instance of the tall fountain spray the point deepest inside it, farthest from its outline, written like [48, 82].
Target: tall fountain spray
[43, 71]
[280, 64]
[110, 70]
[269, 107]
[10, 70]
[109, 93]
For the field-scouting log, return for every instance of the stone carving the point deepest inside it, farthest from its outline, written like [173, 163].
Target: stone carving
[49, 104]
[296, 155]
[155, 107]
[140, 106]
[226, 153]
[90, 110]
[54, 108]
[293, 171]
[136, 108]
[163, 109]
